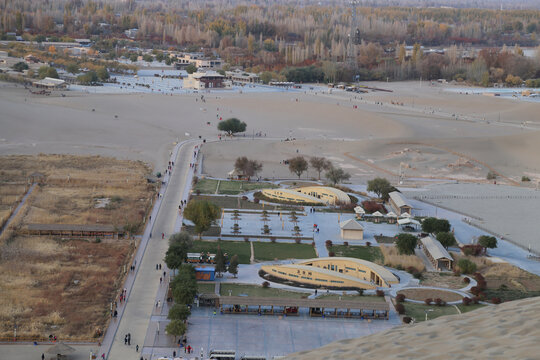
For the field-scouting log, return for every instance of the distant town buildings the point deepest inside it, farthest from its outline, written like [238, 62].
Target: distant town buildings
[131, 33]
[199, 60]
[242, 77]
[50, 84]
[204, 80]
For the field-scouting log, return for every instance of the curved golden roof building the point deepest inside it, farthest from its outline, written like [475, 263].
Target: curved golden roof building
[334, 272]
[309, 195]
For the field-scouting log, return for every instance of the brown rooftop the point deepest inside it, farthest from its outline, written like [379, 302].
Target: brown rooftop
[72, 227]
[311, 303]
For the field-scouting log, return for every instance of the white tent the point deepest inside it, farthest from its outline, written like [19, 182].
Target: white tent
[391, 214]
[359, 210]
[405, 215]
[408, 221]
[377, 213]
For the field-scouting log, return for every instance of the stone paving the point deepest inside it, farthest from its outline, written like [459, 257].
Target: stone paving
[273, 335]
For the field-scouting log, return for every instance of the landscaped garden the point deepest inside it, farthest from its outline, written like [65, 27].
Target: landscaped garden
[242, 249]
[269, 251]
[369, 253]
[206, 288]
[212, 186]
[258, 291]
[421, 294]
[418, 311]
[229, 202]
[442, 279]
[362, 298]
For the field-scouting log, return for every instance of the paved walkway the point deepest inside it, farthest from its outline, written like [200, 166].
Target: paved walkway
[18, 208]
[156, 338]
[142, 285]
[429, 266]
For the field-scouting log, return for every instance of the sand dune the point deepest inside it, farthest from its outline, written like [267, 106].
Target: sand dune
[506, 331]
[145, 126]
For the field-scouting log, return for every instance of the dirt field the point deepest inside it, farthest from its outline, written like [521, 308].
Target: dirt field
[394, 259]
[422, 294]
[442, 280]
[61, 288]
[64, 286]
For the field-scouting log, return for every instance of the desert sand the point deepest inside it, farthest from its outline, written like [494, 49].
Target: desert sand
[145, 126]
[506, 331]
[435, 136]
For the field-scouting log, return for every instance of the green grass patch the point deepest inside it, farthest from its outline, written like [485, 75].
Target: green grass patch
[418, 311]
[213, 231]
[369, 253]
[206, 288]
[468, 308]
[258, 291]
[231, 202]
[509, 294]
[269, 251]
[237, 187]
[242, 249]
[385, 239]
[206, 186]
[364, 298]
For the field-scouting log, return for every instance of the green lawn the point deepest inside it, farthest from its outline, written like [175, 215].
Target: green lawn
[240, 248]
[510, 294]
[270, 251]
[369, 253]
[206, 186]
[230, 202]
[466, 309]
[237, 187]
[258, 291]
[368, 299]
[417, 311]
[209, 186]
[206, 288]
[213, 231]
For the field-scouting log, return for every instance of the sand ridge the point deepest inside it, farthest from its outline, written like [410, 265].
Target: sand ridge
[506, 331]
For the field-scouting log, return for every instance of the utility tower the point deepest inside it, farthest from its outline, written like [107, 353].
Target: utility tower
[354, 34]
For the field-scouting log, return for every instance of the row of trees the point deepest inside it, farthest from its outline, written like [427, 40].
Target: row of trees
[298, 165]
[221, 263]
[406, 243]
[321, 28]
[184, 290]
[184, 284]
[274, 36]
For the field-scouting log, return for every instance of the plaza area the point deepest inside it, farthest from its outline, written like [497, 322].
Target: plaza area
[270, 336]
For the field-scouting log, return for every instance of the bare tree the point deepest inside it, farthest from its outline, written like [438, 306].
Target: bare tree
[247, 167]
[320, 164]
[298, 165]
